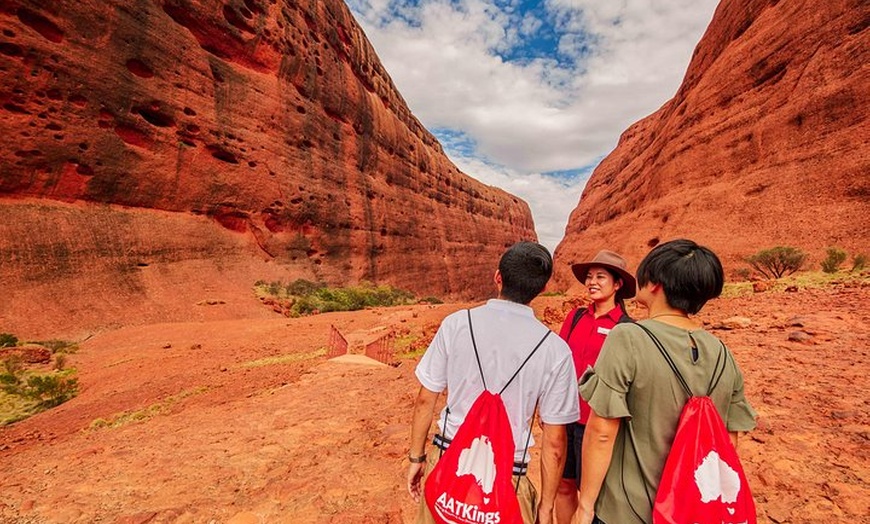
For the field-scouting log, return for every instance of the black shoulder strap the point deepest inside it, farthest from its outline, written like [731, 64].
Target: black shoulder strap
[714, 379]
[517, 372]
[673, 366]
[578, 313]
[474, 345]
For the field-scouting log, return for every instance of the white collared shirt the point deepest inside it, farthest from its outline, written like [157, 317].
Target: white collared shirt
[505, 333]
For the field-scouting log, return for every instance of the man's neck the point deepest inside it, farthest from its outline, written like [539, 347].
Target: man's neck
[506, 299]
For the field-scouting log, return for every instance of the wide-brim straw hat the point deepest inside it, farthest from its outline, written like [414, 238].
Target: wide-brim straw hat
[612, 261]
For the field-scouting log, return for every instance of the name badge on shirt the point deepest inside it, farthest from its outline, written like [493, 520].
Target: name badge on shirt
[603, 331]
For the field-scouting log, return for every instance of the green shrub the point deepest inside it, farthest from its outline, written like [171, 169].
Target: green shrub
[326, 299]
[777, 261]
[836, 256]
[306, 297]
[297, 288]
[301, 287]
[23, 393]
[50, 390]
[59, 346]
[11, 376]
[47, 390]
[8, 340]
[859, 262]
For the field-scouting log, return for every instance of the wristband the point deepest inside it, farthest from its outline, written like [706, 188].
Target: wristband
[417, 460]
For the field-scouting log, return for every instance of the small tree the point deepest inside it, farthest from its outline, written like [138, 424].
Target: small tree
[777, 262]
[836, 256]
[11, 375]
[51, 390]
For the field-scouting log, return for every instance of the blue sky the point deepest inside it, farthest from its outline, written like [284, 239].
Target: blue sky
[530, 96]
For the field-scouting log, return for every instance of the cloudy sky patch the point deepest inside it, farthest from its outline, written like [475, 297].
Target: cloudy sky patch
[529, 96]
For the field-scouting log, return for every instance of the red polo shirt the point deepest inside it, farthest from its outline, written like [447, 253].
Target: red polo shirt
[586, 341]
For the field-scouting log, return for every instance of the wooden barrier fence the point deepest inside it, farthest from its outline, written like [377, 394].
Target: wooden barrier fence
[382, 348]
[337, 343]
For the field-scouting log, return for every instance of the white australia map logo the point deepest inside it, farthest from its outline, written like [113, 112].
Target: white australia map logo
[478, 460]
[717, 480]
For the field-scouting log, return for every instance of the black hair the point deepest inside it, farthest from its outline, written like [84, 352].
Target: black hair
[690, 274]
[620, 301]
[525, 269]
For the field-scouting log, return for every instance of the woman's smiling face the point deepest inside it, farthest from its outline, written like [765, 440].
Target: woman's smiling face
[601, 284]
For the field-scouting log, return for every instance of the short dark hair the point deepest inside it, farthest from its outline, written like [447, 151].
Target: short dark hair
[690, 274]
[525, 269]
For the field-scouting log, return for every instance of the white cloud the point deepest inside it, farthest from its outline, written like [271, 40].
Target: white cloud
[555, 197]
[461, 65]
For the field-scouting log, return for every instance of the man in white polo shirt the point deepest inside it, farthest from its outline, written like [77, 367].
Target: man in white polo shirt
[505, 332]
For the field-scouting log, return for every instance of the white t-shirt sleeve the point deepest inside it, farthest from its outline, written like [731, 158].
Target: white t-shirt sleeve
[560, 402]
[432, 369]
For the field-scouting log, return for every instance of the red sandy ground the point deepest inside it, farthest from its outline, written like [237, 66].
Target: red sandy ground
[320, 441]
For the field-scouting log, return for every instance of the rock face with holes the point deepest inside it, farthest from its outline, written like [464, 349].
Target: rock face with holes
[150, 143]
[766, 143]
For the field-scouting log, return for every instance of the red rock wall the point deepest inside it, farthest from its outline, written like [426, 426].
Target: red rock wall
[269, 127]
[766, 143]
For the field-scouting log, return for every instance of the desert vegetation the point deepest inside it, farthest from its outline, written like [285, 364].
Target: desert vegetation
[836, 257]
[162, 407]
[303, 297]
[797, 281]
[284, 358]
[777, 262]
[33, 377]
[781, 261]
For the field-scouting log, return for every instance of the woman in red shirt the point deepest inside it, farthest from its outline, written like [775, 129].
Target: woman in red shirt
[585, 328]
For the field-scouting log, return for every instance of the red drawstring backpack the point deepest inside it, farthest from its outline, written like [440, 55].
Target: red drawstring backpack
[471, 483]
[702, 481]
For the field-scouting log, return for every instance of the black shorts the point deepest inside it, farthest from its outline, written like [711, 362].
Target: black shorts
[575, 445]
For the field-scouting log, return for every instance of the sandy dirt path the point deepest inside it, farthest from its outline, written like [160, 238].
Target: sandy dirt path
[249, 422]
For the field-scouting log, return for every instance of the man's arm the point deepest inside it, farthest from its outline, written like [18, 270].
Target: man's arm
[553, 453]
[424, 409]
[733, 435]
[597, 451]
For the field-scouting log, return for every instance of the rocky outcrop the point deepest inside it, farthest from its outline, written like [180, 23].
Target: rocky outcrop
[242, 138]
[766, 143]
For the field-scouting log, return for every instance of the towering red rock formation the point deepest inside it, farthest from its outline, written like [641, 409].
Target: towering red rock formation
[238, 139]
[766, 143]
